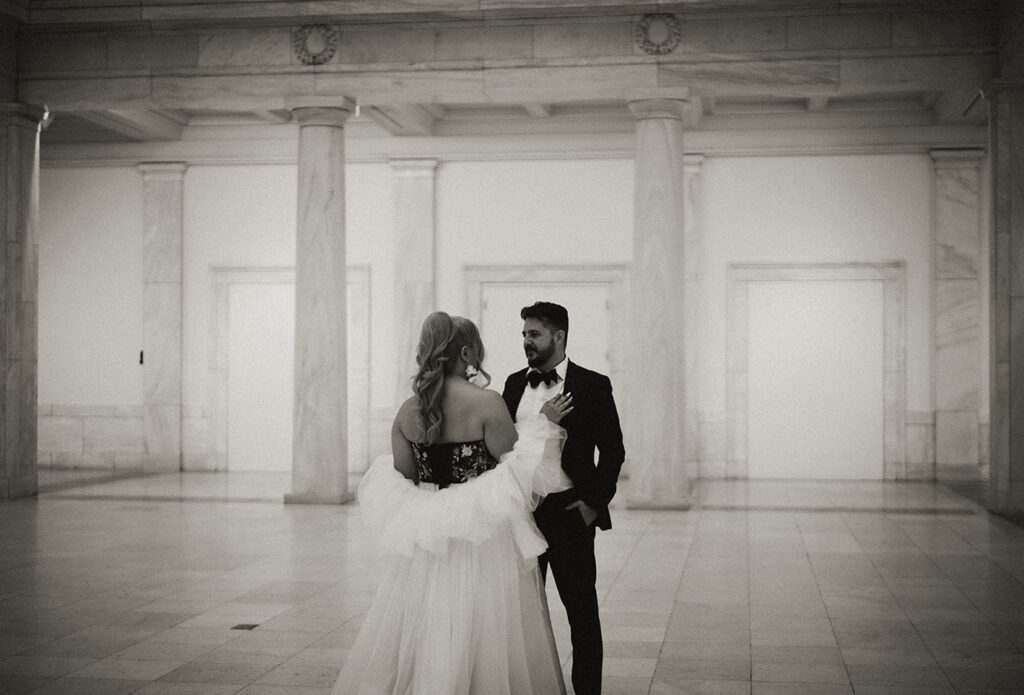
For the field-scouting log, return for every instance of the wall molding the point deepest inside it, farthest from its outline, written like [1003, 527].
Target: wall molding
[222, 278]
[894, 378]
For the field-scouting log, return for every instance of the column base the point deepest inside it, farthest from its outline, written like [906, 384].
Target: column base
[316, 498]
[662, 503]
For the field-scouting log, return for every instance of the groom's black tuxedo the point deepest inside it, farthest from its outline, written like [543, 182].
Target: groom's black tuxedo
[592, 425]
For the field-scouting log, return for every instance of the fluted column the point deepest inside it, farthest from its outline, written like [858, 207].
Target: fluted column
[163, 212]
[956, 291]
[658, 464]
[1006, 395]
[320, 446]
[414, 261]
[19, 283]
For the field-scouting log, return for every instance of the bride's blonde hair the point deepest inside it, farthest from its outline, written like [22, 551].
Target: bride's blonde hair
[441, 339]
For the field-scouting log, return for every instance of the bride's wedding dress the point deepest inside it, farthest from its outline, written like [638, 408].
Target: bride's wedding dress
[460, 608]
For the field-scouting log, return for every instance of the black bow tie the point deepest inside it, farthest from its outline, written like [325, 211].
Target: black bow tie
[534, 378]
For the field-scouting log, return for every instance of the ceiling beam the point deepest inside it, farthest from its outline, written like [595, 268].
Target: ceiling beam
[538, 110]
[817, 104]
[401, 119]
[959, 106]
[137, 124]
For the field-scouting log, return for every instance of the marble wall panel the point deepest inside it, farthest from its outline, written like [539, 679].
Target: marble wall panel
[478, 43]
[93, 410]
[920, 451]
[386, 45]
[584, 81]
[242, 92]
[957, 344]
[162, 343]
[1000, 299]
[246, 47]
[957, 221]
[61, 52]
[956, 437]
[711, 445]
[751, 76]
[162, 430]
[64, 434]
[917, 72]
[1015, 397]
[84, 459]
[749, 34]
[108, 434]
[983, 442]
[999, 429]
[162, 225]
[195, 442]
[964, 28]
[838, 31]
[397, 86]
[582, 40]
[89, 93]
[171, 51]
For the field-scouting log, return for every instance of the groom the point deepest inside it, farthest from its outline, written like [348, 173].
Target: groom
[568, 519]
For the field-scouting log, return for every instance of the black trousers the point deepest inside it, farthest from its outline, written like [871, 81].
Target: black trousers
[570, 555]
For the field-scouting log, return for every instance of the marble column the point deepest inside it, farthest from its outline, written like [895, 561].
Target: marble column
[163, 210]
[413, 262]
[320, 440]
[658, 454]
[1006, 394]
[19, 281]
[691, 307]
[956, 293]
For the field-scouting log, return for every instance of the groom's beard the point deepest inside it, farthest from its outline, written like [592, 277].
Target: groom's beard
[539, 356]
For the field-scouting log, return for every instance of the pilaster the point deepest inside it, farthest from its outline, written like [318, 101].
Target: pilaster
[163, 211]
[1006, 407]
[19, 286]
[956, 304]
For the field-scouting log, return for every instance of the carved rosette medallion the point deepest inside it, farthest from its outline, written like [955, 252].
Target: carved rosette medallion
[658, 33]
[314, 44]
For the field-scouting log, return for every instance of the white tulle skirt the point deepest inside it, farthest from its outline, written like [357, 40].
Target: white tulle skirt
[460, 608]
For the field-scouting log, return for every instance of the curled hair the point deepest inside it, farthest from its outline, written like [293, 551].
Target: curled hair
[441, 339]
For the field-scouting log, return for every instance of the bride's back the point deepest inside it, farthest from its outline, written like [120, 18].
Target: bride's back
[463, 407]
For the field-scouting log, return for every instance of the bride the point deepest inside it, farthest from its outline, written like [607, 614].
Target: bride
[460, 608]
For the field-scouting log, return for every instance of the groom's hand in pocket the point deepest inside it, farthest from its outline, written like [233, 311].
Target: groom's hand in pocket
[588, 513]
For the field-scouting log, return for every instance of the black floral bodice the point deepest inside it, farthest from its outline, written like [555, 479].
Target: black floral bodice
[452, 462]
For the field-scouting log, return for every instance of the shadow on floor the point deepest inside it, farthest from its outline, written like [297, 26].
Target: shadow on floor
[977, 491]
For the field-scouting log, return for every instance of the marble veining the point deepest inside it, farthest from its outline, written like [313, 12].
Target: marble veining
[658, 470]
[320, 457]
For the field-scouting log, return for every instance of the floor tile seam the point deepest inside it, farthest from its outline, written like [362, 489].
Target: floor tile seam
[917, 630]
[831, 621]
[679, 584]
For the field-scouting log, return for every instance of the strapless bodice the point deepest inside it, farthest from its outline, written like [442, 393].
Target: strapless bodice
[449, 463]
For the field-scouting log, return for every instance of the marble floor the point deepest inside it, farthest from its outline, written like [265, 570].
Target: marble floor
[154, 585]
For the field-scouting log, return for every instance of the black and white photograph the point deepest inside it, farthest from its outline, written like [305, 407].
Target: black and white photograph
[512, 347]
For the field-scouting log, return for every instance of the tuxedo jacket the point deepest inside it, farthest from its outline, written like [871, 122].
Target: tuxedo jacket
[592, 425]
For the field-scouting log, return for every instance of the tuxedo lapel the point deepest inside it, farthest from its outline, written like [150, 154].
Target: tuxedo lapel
[571, 382]
[514, 394]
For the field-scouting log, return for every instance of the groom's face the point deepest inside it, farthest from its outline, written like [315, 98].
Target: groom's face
[538, 342]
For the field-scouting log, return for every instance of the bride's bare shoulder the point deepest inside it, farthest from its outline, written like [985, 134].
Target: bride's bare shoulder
[408, 414]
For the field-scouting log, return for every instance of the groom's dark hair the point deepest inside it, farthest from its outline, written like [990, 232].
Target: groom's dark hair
[554, 316]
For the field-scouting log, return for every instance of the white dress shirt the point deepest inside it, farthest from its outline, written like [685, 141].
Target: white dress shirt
[535, 396]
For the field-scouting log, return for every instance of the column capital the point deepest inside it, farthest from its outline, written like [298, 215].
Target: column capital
[675, 104]
[167, 171]
[692, 163]
[29, 114]
[325, 112]
[414, 167]
[957, 158]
